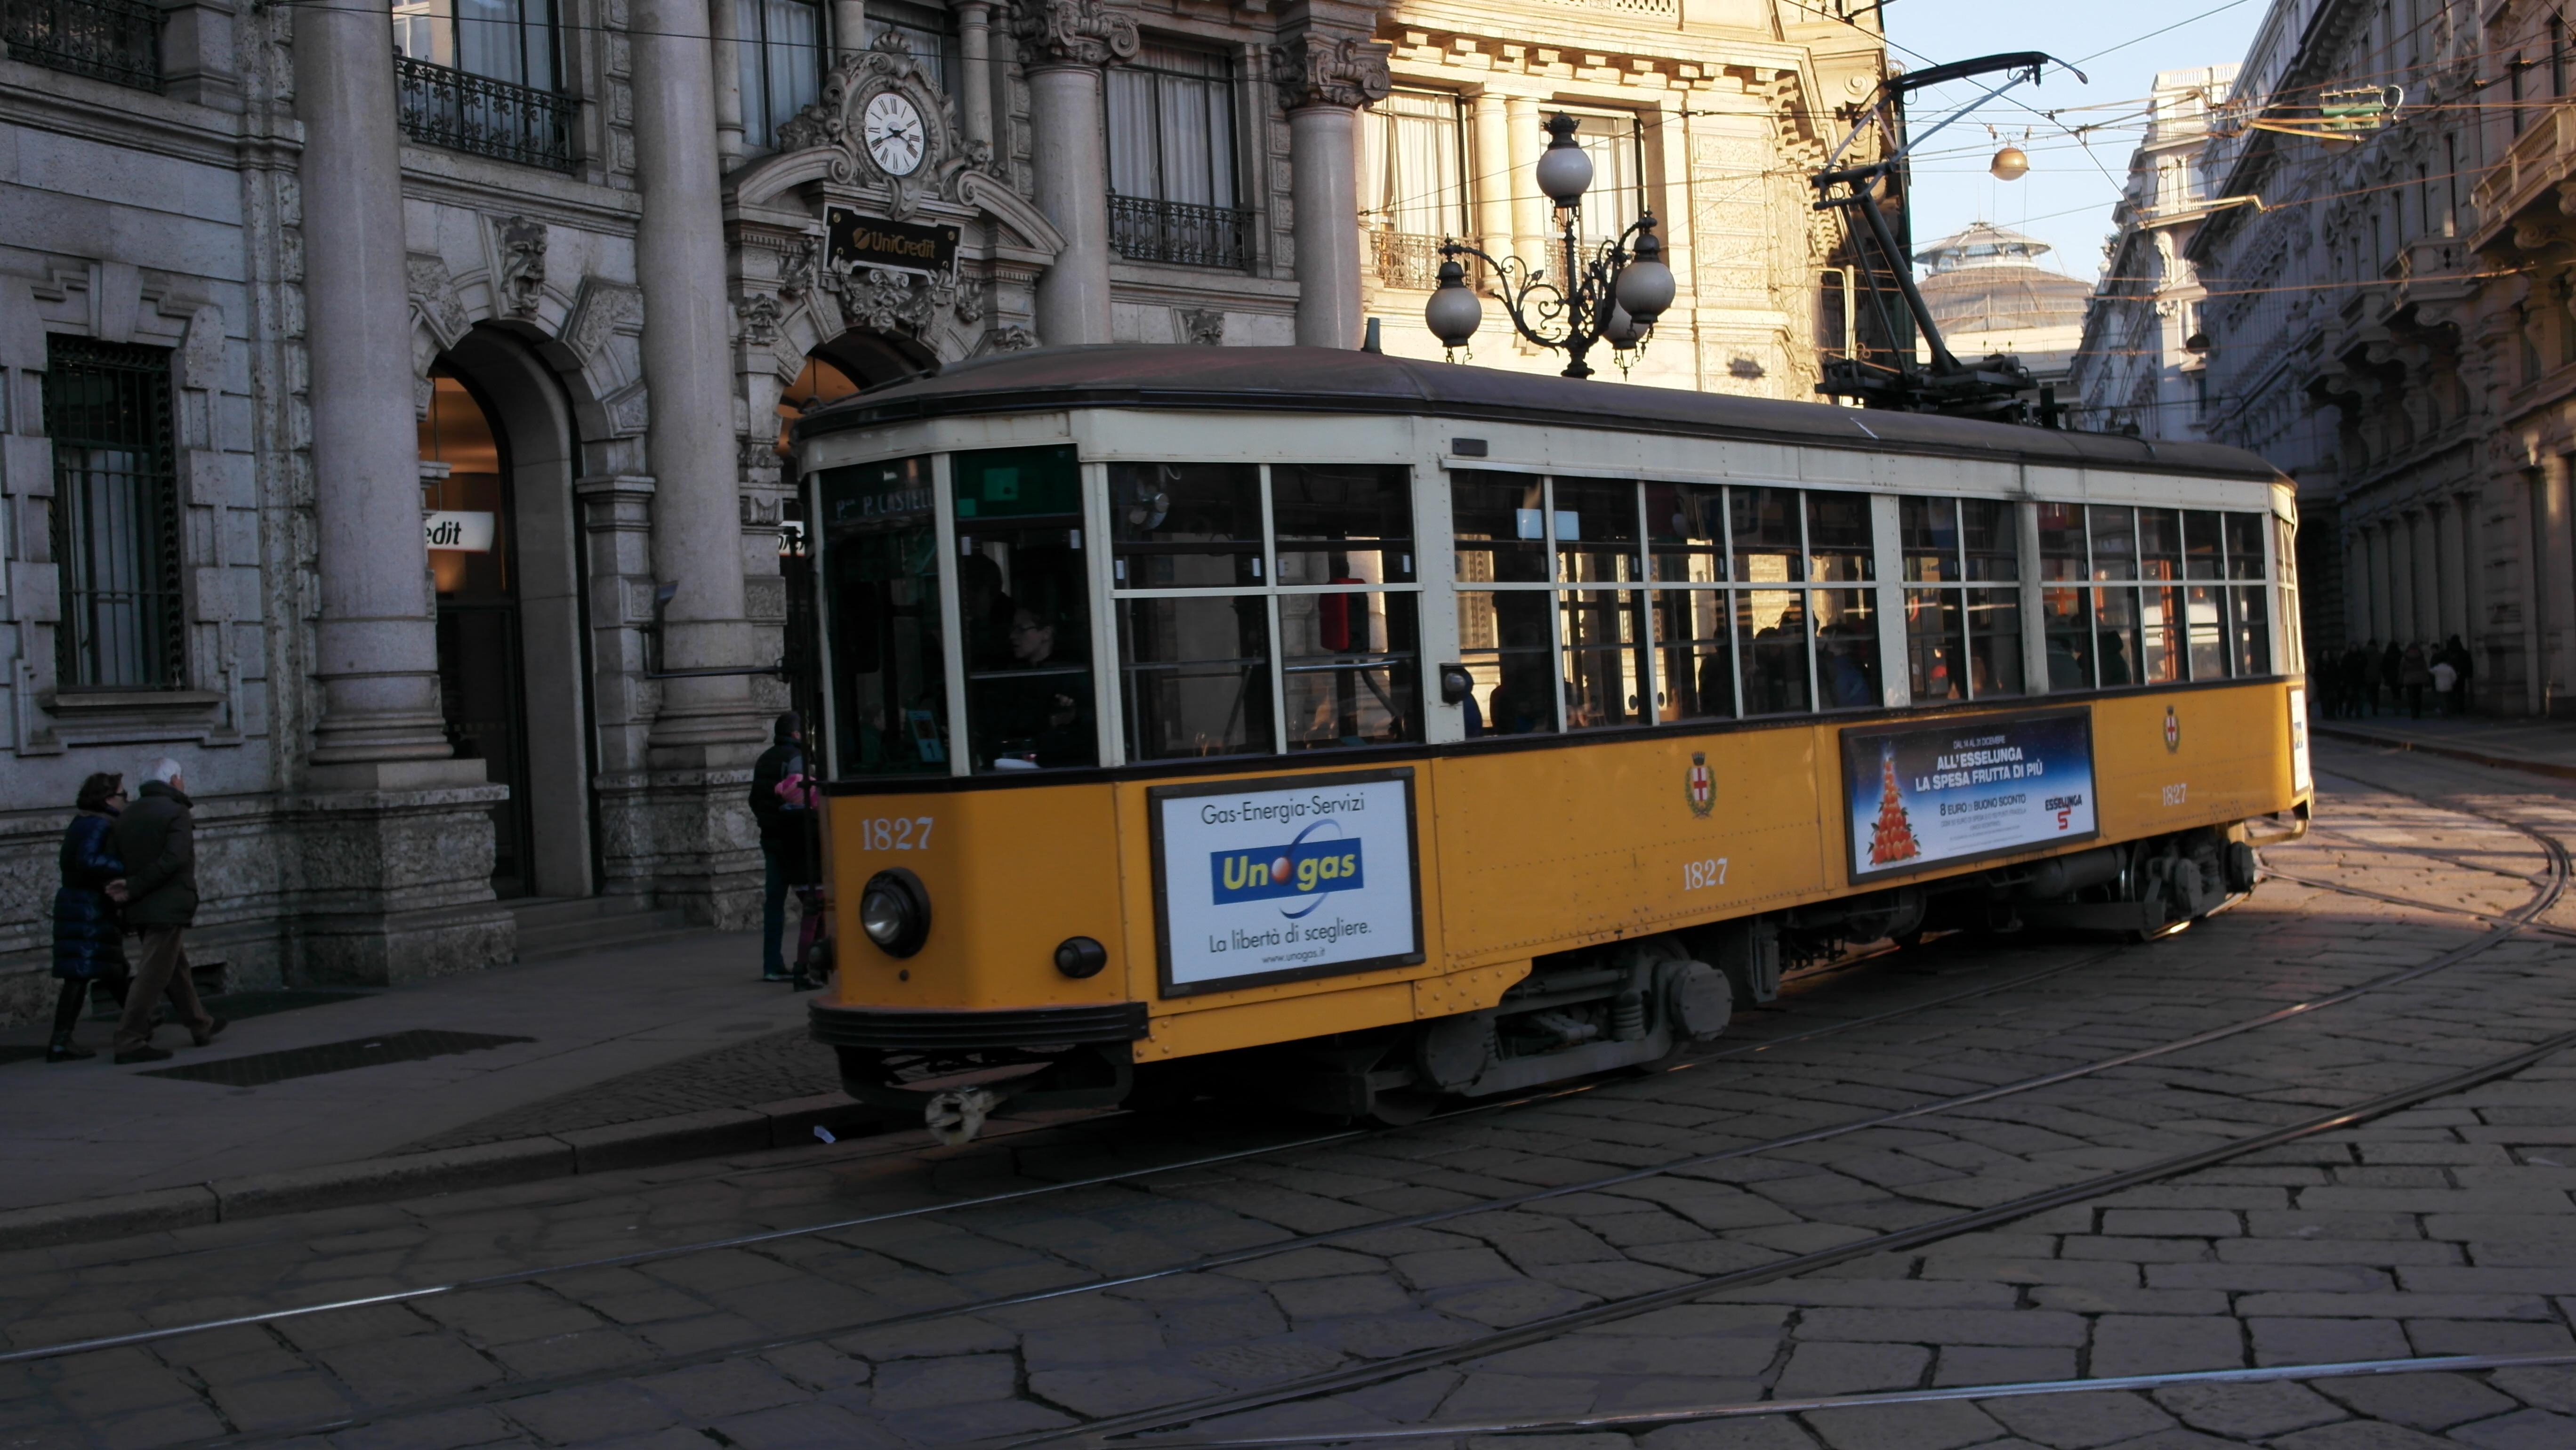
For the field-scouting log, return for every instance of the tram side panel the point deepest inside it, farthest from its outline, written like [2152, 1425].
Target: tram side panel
[1549, 850]
[2174, 761]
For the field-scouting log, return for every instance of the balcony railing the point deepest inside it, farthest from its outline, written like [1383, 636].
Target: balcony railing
[1178, 231]
[443, 106]
[109, 40]
[1408, 260]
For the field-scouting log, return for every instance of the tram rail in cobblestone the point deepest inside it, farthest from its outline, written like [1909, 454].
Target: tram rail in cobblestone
[2515, 924]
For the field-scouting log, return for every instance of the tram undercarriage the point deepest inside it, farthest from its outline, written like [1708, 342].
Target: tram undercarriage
[1635, 1004]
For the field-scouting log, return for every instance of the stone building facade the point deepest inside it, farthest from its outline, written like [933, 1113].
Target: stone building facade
[2391, 324]
[390, 397]
[2140, 367]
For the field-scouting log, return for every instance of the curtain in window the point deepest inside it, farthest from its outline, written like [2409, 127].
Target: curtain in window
[922, 32]
[782, 64]
[1410, 179]
[1171, 128]
[1618, 170]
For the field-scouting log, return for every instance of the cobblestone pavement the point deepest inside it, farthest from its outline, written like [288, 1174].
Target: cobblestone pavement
[1417, 1276]
[767, 1069]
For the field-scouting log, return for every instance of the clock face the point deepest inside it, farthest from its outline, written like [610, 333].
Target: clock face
[893, 132]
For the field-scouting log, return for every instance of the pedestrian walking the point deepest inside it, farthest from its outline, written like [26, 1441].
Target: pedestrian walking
[782, 841]
[2458, 654]
[800, 863]
[89, 946]
[156, 838]
[2370, 677]
[2413, 673]
[2446, 679]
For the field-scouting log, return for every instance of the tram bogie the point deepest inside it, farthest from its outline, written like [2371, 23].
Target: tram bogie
[1361, 734]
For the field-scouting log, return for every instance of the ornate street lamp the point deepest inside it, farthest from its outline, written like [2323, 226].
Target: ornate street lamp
[1613, 296]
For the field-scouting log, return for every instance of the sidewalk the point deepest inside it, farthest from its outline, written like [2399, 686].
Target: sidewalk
[563, 1046]
[2543, 747]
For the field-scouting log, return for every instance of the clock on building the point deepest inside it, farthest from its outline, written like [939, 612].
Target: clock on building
[893, 132]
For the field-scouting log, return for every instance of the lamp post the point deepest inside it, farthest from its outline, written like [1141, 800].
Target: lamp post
[1613, 296]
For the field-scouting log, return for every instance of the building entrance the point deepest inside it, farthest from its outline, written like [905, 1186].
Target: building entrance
[466, 495]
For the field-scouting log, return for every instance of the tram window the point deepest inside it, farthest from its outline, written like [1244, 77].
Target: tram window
[1769, 546]
[1994, 642]
[1343, 524]
[1694, 666]
[2066, 608]
[2113, 533]
[1350, 667]
[1838, 538]
[2200, 553]
[1929, 528]
[1686, 529]
[1605, 657]
[2244, 545]
[1936, 643]
[2251, 635]
[1846, 648]
[1772, 627]
[1194, 675]
[1024, 606]
[1185, 525]
[2204, 616]
[2161, 635]
[1503, 641]
[889, 681]
[2112, 536]
[1990, 539]
[1500, 536]
[2116, 635]
[1596, 531]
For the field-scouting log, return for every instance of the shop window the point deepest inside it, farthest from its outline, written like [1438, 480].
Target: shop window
[115, 516]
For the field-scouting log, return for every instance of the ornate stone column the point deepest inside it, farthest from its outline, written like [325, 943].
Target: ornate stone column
[726, 18]
[1063, 45]
[975, 88]
[376, 645]
[1324, 79]
[1493, 186]
[1520, 183]
[390, 871]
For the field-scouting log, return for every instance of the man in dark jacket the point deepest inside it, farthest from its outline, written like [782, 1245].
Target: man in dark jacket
[156, 838]
[783, 846]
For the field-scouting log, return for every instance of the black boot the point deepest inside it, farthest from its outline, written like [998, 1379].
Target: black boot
[63, 1049]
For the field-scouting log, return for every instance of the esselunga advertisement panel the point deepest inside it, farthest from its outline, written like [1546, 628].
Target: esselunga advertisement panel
[1961, 789]
[1282, 878]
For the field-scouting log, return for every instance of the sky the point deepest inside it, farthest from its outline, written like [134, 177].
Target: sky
[2066, 199]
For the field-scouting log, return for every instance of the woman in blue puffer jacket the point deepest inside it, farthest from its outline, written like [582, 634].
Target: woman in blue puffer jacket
[89, 946]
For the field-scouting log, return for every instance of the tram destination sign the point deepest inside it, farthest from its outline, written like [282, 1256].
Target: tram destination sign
[864, 241]
[1283, 878]
[1966, 788]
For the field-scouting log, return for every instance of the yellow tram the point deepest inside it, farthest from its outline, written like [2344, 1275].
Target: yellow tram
[1369, 731]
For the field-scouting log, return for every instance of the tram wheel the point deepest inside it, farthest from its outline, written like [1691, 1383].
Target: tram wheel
[1398, 1107]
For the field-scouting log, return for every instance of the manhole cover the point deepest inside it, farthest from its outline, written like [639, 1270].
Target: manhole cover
[267, 1067]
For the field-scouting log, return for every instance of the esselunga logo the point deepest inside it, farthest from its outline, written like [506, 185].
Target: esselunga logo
[1302, 868]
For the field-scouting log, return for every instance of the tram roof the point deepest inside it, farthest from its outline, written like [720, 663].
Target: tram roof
[1332, 380]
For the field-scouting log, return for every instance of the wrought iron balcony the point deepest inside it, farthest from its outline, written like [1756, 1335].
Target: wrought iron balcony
[1411, 261]
[109, 40]
[1178, 231]
[443, 106]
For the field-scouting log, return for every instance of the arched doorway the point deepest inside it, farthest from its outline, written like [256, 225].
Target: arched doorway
[499, 439]
[466, 495]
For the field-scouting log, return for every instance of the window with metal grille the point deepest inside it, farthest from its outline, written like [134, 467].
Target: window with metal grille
[116, 515]
[1172, 187]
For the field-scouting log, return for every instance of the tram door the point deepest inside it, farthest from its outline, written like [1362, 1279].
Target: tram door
[466, 494]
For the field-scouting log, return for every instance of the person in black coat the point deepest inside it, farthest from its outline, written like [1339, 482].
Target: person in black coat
[784, 847]
[89, 944]
[156, 839]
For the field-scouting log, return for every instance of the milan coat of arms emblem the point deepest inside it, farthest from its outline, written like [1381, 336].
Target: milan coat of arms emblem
[1699, 785]
[2173, 731]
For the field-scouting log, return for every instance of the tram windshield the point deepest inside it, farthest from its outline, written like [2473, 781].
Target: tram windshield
[889, 688]
[1024, 609]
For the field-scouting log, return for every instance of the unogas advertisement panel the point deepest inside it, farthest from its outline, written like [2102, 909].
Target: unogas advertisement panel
[1962, 789]
[1283, 878]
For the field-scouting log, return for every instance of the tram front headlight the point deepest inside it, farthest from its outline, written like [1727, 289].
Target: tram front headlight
[894, 910]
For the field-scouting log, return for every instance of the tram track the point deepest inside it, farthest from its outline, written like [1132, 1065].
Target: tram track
[2513, 924]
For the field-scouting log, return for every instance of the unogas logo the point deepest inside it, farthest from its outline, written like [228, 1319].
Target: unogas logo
[1304, 867]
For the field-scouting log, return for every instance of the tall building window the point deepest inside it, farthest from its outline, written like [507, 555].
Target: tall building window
[504, 40]
[116, 515]
[1413, 188]
[782, 56]
[923, 31]
[1616, 142]
[1173, 196]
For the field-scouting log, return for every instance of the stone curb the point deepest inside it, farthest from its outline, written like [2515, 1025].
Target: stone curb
[2454, 752]
[649, 1143]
